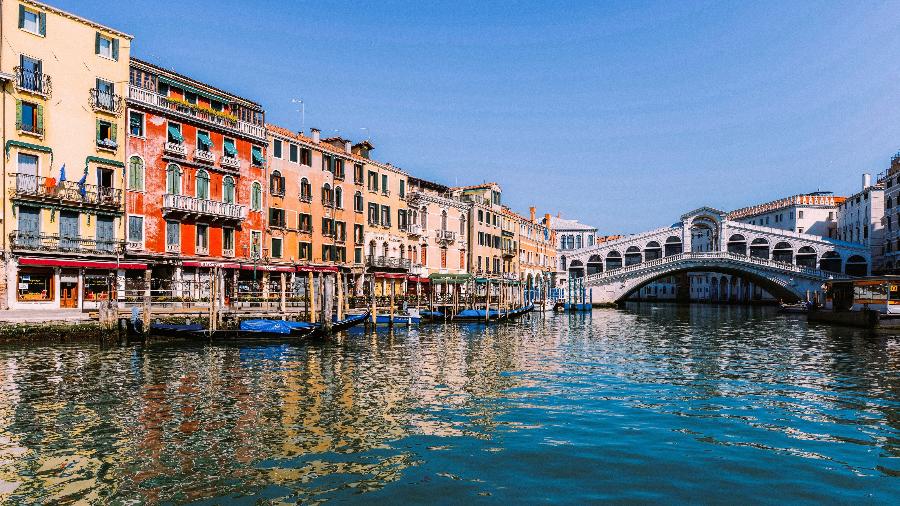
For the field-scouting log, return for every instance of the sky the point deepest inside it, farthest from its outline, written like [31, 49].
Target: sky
[624, 115]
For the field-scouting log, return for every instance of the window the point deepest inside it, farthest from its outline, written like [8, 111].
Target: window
[373, 213]
[136, 173]
[305, 190]
[136, 230]
[480, 216]
[228, 241]
[202, 238]
[306, 157]
[106, 47]
[173, 235]
[276, 183]
[276, 148]
[228, 190]
[34, 285]
[338, 197]
[402, 188]
[401, 219]
[173, 179]
[136, 124]
[256, 196]
[384, 183]
[29, 117]
[228, 148]
[174, 133]
[276, 247]
[358, 202]
[276, 217]
[256, 157]
[327, 195]
[357, 173]
[294, 153]
[339, 169]
[203, 185]
[358, 255]
[255, 244]
[204, 143]
[799, 215]
[328, 227]
[106, 134]
[358, 233]
[304, 251]
[328, 163]
[305, 224]
[32, 21]
[372, 181]
[385, 216]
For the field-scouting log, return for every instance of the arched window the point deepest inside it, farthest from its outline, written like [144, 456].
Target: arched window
[202, 184]
[136, 174]
[424, 214]
[327, 195]
[256, 196]
[305, 190]
[384, 250]
[358, 202]
[372, 249]
[228, 190]
[276, 183]
[338, 197]
[462, 226]
[173, 179]
[443, 220]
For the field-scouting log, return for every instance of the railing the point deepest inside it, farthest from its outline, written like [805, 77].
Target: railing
[201, 250]
[385, 192]
[184, 203]
[445, 236]
[305, 198]
[173, 248]
[508, 250]
[68, 191]
[176, 149]
[154, 99]
[105, 101]
[715, 255]
[36, 241]
[30, 128]
[33, 82]
[231, 162]
[388, 262]
[414, 229]
[227, 252]
[327, 202]
[134, 245]
[204, 156]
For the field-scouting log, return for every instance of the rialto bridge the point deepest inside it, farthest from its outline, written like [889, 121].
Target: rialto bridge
[787, 264]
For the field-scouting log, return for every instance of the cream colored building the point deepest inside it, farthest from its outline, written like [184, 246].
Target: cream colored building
[485, 227]
[63, 229]
[438, 228]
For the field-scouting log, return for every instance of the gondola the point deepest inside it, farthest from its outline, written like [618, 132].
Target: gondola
[257, 329]
[520, 311]
[476, 315]
[350, 321]
[799, 308]
[431, 316]
[172, 329]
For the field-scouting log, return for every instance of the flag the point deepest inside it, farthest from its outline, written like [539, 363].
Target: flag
[81, 185]
[62, 175]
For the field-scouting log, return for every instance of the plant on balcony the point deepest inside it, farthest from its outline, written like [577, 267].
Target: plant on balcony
[202, 108]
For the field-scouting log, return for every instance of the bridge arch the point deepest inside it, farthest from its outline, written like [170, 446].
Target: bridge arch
[633, 255]
[594, 264]
[830, 261]
[856, 266]
[759, 248]
[674, 246]
[783, 252]
[806, 257]
[737, 244]
[652, 251]
[613, 260]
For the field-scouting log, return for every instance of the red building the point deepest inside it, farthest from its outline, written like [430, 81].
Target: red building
[195, 179]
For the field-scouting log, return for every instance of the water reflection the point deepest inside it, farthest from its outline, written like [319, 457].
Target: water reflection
[629, 405]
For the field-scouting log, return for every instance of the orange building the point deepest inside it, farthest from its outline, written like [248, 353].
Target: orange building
[537, 251]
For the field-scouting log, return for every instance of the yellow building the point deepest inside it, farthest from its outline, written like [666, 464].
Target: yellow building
[63, 169]
[485, 233]
[537, 253]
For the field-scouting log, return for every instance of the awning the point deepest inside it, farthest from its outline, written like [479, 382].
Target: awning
[317, 268]
[450, 278]
[192, 263]
[390, 275]
[205, 140]
[230, 150]
[269, 268]
[257, 157]
[176, 134]
[87, 264]
[192, 89]
[416, 279]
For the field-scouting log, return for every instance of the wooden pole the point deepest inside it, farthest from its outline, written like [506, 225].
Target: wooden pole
[311, 299]
[282, 301]
[213, 298]
[145, 317]
[340, 297]
[374, 314]
[391, 321]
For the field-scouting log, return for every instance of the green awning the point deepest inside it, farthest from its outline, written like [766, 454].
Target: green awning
[257, 156]
[27, 145]
[206, 141]
[185, 87]
[230, 150]
[453, 279]
[103, 161]
[176, 134]
[482, 280]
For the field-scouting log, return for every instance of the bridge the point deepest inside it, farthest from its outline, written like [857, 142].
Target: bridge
[787, 264]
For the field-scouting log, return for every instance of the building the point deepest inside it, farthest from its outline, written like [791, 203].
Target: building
[860, 219]
[891, 241]
[196, 183]
[438, 229]
[510, 223]
[537, 251]
[64, 160]
[571, 236]
[485, 234]
[813, 213]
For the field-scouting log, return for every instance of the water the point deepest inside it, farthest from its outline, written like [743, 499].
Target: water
[653, 403]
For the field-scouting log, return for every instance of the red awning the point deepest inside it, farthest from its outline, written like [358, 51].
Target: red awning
[317, 268]
[416, 279]
[270, 268]
[390, 275]
[193, 263]
[87, 264]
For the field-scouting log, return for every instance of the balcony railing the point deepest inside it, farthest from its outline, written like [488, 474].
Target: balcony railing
[105, 101]
[203, 207]
[29, 128]
[414, 229]
[227, 252]
[36, 241]
[66, 191]
[445, 236]
[33, 82]
[388, 262]
[201, 250]
[134, 245]
[204, 156]
[305, 198]
[173, 248]
[176, 149]
[231, 162]
[327, 202]
[154, 99]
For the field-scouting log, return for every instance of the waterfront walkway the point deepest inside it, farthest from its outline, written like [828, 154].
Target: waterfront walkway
[43, 316]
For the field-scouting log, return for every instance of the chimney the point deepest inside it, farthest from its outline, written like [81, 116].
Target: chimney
[532, 209]
[866, 181]
[348, 147]
[547, 219]
[315, 135]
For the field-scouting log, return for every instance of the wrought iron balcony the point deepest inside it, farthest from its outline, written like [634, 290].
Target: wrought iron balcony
[388, 262]
[204, 156]
[40, 242]
[508, 250]
[414, 229]
[227, 252]
[134, 245]
[445, 237]
[105, 101]
[305, 198]
[192, 206]
[201, 250]
[51, 190]
[29, 81]
[231, 162]
[176, 149]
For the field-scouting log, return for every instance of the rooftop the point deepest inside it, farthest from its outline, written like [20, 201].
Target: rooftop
[559, 223]
[817, 199]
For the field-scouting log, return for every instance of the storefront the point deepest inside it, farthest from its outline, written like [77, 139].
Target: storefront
[62, 283]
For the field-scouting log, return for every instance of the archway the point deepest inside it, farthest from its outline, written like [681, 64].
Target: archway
[613, 260]
[594, 264]
[783, 252]
[830, 261]
[704, 234]
[652, 251]
[856, 266]
[759, 248]
[576, 269]
[714, 289]
[673, 246]
[737, 244]
[806, 257]
[749, 285]
[724, 293]
[633, 255]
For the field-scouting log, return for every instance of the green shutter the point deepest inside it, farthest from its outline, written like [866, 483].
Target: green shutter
[42, 23]
[112, 131]
[18, 114]
[98, 131]
[115, 49]
[97, 43]
[21, 16]
[40, 119]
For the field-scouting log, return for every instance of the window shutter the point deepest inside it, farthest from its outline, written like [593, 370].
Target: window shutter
[21, 16]
[115, 49]
[18, 113]
[42, 23]
[40, 119]
[112, 131]
[98, 131]
[97, 43]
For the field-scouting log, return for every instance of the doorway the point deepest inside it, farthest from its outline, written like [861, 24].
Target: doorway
[68, 289]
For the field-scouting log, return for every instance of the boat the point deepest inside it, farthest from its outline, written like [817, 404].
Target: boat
[349, 322]
[475, 315]
[798, 308]
[432, 316]
[398, 319]
[520, 311]
[172, 329]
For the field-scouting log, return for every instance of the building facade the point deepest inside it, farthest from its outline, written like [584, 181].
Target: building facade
[537, 251]
[891, 240]
[196, 181]
[572, 236]
[485, 232]
[63, 169]
[438, 229]
[860, 219]
[812, 213]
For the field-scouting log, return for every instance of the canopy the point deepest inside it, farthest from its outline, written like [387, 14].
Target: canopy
[257, 157]
[205, 140]
[175, 134]
[450, 278]
[230, 150]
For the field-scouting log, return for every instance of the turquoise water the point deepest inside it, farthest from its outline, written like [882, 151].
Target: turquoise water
[648, 404]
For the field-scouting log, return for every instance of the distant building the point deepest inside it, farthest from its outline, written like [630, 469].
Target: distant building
[859, 220]
[812, 213]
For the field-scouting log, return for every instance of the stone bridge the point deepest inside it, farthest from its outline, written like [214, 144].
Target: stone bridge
[789, 265]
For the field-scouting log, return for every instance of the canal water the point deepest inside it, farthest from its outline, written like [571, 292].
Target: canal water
[646, 404]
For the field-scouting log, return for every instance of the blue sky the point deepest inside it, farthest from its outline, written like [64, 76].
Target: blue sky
[623, 115]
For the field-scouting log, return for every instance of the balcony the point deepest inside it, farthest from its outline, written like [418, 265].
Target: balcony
[386, 192]
[154, 99]
[201, 250]
[388, 262]
[134, 245]
[305, 198]
[173, 248]
[107, 144]
[414, 229]
[202, 208]
[103, 101]
[31, 128]
[173, 148]
[305, 230]
[53, 243]
[228, 252]
[508, 250]
[50, 190]
[327, 202]
[204, 156]
[231, 162]
[37, 83]
[445, 237]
